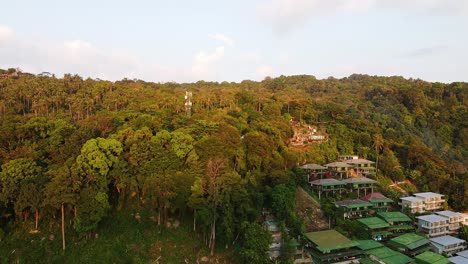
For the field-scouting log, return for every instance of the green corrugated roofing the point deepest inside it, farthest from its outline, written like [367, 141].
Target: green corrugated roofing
[327, 182]
[410, 240]
[394, 217]
[389, 256]
[329, 240]
[373, 222]
[429, 257]
[368, 261]
[368, 244]
[353, 203]
[401, 227]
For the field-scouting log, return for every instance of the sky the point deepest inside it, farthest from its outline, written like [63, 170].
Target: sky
[187, 41]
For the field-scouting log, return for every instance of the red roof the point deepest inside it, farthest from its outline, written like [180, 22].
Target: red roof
[374, 196]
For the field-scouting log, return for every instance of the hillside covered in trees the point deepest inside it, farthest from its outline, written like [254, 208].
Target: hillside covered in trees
[73, 152]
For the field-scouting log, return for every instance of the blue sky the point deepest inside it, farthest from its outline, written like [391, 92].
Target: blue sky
[186, 41]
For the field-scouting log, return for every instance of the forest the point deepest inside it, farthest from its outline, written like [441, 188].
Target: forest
[76, 153]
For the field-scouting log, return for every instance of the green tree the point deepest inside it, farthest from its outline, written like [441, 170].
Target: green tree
[255, 244]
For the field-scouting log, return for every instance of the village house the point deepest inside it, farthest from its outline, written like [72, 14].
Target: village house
[447, 245]
[410, 244]
[433, 225]
[354, 208]
[380, 203]
[455, 220]
[330, 246]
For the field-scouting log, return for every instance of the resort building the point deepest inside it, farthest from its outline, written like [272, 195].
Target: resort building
[455, 220]
[399, 222]
[361, 167]
[415, 205]
[447, 245]
[410, 244]
[338, 170]
[433, 225]
[314, 171]
[380, 203]
[423, 202]
[331, 247]
[327, 186]
[354, 208]
[376, 227]
[360, 184]
[429, 257]
[460, 258]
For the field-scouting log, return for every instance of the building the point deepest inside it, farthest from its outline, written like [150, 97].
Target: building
[361, 167]
[423, 202]
[415, 205]
[338, 170]
[331, 247]
[410, 244]
[399, 222]
[460, 258]
[314, 171]
[376, 227]
[455, 220]
[368, 244]
[433, 225]
[447, 245]
[354, 208]
[388, 256]
[345, 158]
[380, 203]
[429, 257]
[327, 186]
[432, 201]
[360, 184]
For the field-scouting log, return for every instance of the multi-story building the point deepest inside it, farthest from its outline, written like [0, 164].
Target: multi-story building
[327, 186]
[359, 184]
[399, 222]
[314, 171]
[432, 201]
[379, 201]
[433, 225]
[376, 227]
[354, 208]
[455, 220]
[447, 245]
[362, 167]
[338, 170]
[423, 202]
[415, 205]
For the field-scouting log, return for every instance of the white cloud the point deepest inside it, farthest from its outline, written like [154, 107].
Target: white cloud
[286, 15]
[223, 39]
[5, 32]
[204, 65]
[264, 71]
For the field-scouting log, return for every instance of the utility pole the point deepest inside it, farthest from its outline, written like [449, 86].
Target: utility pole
[188, 103]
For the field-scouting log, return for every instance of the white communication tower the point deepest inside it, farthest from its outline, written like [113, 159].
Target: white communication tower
[188, 103]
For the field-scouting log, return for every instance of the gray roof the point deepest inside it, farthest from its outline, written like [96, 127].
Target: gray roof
[312, 166]
[432, 218]
[359, 161]
[446, 240]
[463, 253]
[458, 260]
[449, 213]
[411, 199]
[328, 181]
[337, 164]
[352, 202]
[359, 179]
[428, 194]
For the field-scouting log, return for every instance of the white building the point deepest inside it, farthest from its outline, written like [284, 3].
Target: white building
[460, 258]
[423, 202]
[456, 220]
[433, 225]
[447, 245]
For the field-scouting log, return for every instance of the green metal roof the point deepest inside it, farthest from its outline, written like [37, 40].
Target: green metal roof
[327, 182]
[329, 240]
[353, 203]
[429, 257]
[392, 217]
[401, 227]
[410, 241]
[368, 244]
[368, 261]
[373, 222]
[389, 256]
